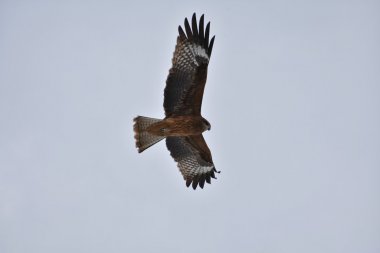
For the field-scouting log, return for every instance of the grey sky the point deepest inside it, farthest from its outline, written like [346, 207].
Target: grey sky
[293, 96]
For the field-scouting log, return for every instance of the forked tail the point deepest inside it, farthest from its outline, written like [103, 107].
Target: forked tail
[143, 138]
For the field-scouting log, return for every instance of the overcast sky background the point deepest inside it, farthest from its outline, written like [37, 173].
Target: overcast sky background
[293, 96]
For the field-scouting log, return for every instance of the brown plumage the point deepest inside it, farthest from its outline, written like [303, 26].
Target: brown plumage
[183, 125]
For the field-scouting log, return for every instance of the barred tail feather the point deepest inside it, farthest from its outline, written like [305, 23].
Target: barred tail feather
[143, 138]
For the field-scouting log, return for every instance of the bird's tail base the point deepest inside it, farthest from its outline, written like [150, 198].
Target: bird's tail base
[145, 139]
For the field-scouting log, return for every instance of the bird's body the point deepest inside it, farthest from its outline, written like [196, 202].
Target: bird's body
[179, 126]
[183, 125]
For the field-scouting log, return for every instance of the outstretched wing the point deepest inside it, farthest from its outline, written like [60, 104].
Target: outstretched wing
[193, 158]
[187, 77]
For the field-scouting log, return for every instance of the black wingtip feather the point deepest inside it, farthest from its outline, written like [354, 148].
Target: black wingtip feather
[212, 174]
[202, 181]
[195, 183]
[188, 182]
[194, 27]
[208, 179]
[210, 46]
[181, 33]
[188, 30]
[201, 30]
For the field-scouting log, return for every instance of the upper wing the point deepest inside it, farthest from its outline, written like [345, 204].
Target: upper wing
[193, 158]
[187, 77]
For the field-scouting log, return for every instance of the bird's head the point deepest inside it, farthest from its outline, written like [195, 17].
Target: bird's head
[206, 124]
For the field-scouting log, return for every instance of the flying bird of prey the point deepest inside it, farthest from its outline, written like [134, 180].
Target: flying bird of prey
[183, 125]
